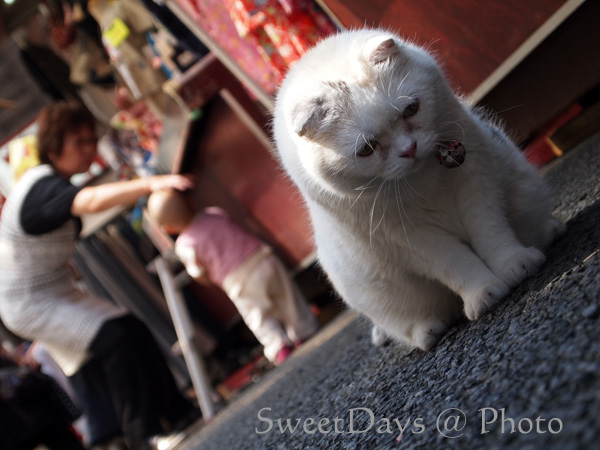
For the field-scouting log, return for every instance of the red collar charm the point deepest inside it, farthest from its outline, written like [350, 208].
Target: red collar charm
[450, 154]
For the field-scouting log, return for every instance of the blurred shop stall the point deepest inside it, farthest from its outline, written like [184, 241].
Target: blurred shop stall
[181, 86]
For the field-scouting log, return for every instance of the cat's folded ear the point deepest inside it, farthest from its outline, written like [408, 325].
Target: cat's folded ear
[387, 49]
[308, 117]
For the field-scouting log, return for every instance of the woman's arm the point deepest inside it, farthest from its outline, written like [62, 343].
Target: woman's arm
[93, 199]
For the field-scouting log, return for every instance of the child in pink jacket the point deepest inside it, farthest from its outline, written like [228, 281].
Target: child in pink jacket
[216, 250]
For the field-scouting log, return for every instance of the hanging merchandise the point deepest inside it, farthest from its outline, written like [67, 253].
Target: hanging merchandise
[213, 17]
[116, 33]
[130, 145]
[23, 155]
[282, 30]
[124, 26]
[263, 37]
[137, 117]
[173, 57]
[122, 151]
[186, 39]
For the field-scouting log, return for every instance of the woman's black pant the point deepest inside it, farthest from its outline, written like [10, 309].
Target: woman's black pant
[126, 385]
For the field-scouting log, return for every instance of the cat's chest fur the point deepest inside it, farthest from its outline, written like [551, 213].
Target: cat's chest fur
[381, 230]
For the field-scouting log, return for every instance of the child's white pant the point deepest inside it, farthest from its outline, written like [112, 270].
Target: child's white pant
[269, 302]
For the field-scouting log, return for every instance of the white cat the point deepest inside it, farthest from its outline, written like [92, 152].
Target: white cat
[362, 123]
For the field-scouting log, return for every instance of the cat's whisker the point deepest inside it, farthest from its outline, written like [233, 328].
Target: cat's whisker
[445, 128]
[409, 197]
[385, 193]
[350, 105]
[371, 230]
[387, 198]
[366, 141]
[462, 129]
[399, 187]
[450, 134]
[400, 205]
[390, 85]
[459, 126]
[412, 190]
[365, 186]
[356, 145]
[387, 90]
[362, 189]
[356, 199]
[464, 169]
[386, 84]
[497, 113]
[400, 85]
[449, 112]
[420, 198]
[446, 123]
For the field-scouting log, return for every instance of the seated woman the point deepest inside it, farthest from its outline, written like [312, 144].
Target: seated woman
[39, 301]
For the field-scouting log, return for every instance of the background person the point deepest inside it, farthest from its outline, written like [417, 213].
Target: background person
[214, 249]
[87, 336]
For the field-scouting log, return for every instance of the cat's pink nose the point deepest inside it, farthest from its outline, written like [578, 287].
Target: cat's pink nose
[410, 152]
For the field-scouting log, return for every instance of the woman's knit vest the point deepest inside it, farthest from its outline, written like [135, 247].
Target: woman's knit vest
[38, 300]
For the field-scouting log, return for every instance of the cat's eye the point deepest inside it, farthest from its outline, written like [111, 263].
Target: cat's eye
[368, 148]
[411, 109]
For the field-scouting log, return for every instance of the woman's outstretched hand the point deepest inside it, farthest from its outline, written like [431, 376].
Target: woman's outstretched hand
[93, 199]
[177, 182]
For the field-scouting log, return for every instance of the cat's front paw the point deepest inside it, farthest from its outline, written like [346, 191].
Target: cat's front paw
[482, 300]
[379, 338]
[520, 265]
[427, 334]
[556, 229]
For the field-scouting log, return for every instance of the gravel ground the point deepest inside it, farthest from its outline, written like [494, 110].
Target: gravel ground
[532, 364]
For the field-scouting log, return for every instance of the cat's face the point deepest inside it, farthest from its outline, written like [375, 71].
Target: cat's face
[362, 107]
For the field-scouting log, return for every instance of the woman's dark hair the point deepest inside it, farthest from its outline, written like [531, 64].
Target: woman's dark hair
[55, 121]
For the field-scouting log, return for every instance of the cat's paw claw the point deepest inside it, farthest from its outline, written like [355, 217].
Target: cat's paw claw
[427, 334]
[520, 265]
[485, 299]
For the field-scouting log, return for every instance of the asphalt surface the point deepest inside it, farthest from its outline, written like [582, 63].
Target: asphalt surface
[525, 376]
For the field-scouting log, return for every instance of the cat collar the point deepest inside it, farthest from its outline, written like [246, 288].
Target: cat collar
[450, 154]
